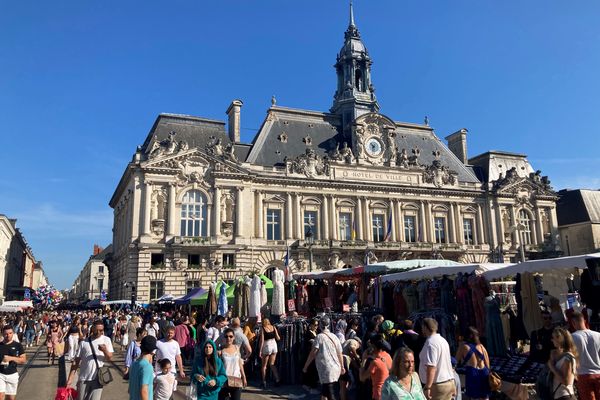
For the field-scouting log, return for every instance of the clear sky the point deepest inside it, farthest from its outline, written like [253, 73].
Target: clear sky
[81, 83]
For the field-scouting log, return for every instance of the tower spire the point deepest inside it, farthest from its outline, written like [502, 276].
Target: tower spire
[351, 15]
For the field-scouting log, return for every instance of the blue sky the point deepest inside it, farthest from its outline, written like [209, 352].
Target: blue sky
[81, 83]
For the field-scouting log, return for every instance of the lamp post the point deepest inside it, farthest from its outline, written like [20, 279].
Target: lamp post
[310, 241]
[133, 293]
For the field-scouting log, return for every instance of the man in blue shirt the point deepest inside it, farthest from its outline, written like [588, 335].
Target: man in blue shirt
[141, 374]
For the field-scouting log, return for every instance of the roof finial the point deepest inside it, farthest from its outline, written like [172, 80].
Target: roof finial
[351, 14]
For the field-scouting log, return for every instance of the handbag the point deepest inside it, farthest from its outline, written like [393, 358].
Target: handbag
[234, 382]
[59, 349]
[65, 393]
[495, 381]
[104, 375]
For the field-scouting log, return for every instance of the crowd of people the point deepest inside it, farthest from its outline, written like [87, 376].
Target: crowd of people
[345, 359]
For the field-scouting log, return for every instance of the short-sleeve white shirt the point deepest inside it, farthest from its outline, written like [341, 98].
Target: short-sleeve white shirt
[168, 350]
[327, 359]
[588, 347]
[436, 353]
[87, 365]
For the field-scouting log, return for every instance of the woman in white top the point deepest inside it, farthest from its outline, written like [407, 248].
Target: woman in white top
[234, 368]
[563, 365]
[152, 328]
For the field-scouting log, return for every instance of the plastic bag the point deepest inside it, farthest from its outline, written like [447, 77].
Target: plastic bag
[65, 393]
[191, 392]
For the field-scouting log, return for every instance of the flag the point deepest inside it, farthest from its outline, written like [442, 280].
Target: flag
[388, 234]
[353, 232]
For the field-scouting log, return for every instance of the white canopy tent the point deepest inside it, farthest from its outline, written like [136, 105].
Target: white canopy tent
[18, 303]
[436, 271]
[318, 274]
[539, 266]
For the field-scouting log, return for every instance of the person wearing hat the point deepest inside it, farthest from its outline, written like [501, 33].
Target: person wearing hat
[141, 374]
[392, 336]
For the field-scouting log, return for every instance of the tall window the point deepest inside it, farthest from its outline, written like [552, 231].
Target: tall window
[189, 285]
[526, 227]
[378, 228]
[100, 268]
[468, 230]
[193, 260]
[345, 223]
[228, 260]
[310, 223]
[193, 214]
[440, 229]
[410, 228]
[157, 289]
[273, 224]
[100, 284]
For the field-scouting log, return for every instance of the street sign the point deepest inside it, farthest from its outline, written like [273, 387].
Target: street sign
[103, 296]
[27, 294]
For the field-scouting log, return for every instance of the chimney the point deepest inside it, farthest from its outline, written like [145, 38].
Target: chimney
[457, 143]
[97, 249]
[233, 113]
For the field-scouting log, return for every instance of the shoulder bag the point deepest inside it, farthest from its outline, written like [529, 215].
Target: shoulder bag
[234, 381]
[104, 375]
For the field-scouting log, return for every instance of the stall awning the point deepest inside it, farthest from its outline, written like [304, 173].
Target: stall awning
[405, 265]
[319, 274]
[436, 271]
[193, 294]
[556, 264]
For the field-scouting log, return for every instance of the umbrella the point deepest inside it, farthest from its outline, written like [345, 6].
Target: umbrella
[223, 305]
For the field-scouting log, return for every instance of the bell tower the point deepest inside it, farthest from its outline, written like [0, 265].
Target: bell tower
[355, 94]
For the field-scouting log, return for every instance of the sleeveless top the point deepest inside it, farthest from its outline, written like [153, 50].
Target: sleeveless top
[269, 335]
[558, 388]
[232, 363]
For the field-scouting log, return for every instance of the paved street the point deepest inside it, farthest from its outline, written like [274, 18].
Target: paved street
[39, 381]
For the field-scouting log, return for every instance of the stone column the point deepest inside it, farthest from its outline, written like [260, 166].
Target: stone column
[430, 225]
[367, 230]
[553, 224]
[147, 208]
[460, 234]
[239, 212]
[392, 228]
[359, 218]
[533, 225]
[172, 213]
[300, 219]
[452, 225]
[480, 234]
[335, 234]
[400, 222]
[288, 217]
[325, 220]
[216, 228]
[496, 225]
[260, 215]
[517, 236]
[422, 231]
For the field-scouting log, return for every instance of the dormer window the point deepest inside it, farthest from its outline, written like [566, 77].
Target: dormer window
[307, 140]
[283, 137]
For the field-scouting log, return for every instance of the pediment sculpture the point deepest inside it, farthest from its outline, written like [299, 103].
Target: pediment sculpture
[167, 146]
[309, 164]
[513, 183]
[216, 148]
[439, 174]
[192, 171]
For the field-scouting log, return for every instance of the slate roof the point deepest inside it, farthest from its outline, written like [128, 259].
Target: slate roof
[195, 131]
[324, 131]
[576, 206]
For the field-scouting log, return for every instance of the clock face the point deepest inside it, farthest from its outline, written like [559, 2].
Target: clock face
[373, 147]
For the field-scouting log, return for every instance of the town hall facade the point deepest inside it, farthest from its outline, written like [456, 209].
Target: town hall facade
[331, 189]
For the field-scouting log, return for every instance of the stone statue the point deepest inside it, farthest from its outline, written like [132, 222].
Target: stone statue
[230, 152]
[402, 159]
[347, 155]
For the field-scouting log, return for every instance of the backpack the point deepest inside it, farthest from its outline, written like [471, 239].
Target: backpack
[544, 386]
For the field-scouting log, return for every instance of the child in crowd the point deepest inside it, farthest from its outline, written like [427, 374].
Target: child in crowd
[164, 383]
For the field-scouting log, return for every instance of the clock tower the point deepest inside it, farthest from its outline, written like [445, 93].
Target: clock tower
[355, 94]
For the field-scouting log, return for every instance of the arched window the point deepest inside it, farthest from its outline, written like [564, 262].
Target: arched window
[358, 80]
[525, 222]
[193, 214]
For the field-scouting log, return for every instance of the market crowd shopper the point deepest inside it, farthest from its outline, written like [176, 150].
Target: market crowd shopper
[411, 337]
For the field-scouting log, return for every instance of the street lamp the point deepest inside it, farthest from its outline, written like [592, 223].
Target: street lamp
[310, 241]
[133, 293]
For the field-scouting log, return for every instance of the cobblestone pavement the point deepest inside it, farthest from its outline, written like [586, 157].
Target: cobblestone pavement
[39, 380]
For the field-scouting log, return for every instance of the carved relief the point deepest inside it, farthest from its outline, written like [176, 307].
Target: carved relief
[309, 164]
[192, 171]
[512, 183]
[439, 174]
[167, 146]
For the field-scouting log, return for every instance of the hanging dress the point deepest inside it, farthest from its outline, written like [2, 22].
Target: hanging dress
[211, 300]
[254, 307]
[278, 301]
[494, 329]
[223, 304]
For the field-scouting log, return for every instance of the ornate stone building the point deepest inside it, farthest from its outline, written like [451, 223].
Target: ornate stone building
[195, 202]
